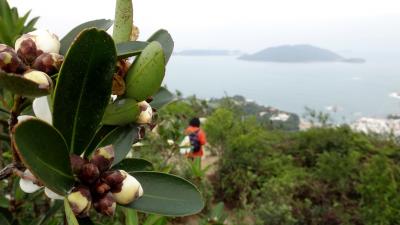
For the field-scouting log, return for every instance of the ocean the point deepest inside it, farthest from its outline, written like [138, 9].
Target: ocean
[346, 91]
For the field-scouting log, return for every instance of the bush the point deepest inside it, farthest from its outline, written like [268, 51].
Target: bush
[326, 175]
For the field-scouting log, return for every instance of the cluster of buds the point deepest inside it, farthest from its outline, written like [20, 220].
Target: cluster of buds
[99, 186]
[35, 56]
[119, 88]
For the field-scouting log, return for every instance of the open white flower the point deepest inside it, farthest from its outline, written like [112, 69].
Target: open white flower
[41, 108]
[28, 186]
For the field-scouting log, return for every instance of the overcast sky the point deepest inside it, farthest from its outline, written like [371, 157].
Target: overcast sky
[247, 25]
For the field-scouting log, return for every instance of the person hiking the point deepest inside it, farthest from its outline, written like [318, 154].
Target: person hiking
[197, 138]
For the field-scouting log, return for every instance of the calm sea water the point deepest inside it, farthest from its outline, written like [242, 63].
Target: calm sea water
[355, 90]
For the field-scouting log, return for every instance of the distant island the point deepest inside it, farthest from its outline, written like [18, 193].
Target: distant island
[298, 54]
[208, 52]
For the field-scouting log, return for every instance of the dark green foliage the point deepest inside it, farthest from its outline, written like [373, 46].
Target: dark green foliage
[328, 175]
[12, 25]
[77, 111]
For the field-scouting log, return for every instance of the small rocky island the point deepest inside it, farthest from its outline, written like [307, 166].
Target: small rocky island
[298, 54]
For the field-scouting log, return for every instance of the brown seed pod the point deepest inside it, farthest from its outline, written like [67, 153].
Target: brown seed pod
[28, 51]
[118, 85]
[103, 157]
[77, 163]
[100, 188]
[89, 173]
[49, 63]
[113, 179]
[105, 205]
[10, 63]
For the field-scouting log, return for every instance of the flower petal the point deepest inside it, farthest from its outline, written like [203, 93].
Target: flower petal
[26, 185]
[49, 193]
[24, 117]
[41, 109]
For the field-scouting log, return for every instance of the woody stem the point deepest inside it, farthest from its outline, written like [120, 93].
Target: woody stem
[15, 112]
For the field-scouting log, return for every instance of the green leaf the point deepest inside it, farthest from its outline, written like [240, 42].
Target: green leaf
[167, 195]
[71, 219]
[84, 88]
[153, 219]
[67, 40]
[121, 112]
[130, 48]
[145, 76]
[50, 213]
[122, 139]
[4, 202]
[123, 21]
[165, 39]
[163, 97]
[131, 217]
[44, 151]
[131, 165]
[100, 134]
[21, 86]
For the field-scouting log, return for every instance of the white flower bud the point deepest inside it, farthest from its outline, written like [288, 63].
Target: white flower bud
[27, 185]
[44, 40]
[130, 190]
[38, 77]
[80, 200]
[146, 113]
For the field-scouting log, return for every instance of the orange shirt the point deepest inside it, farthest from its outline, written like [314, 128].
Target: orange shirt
[202, 140]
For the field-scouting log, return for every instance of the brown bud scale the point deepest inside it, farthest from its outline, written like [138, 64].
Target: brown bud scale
[89, 173]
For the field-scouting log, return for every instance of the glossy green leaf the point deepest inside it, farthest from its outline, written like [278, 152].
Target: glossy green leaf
[84, 88]
[163, 97]
[145, 76]
[121, 112]
[100, 134]
[164, 38]
[44, 151]
[21, 86]
[71, 219]
[131, 216]
[122, 139]
[153, 219]
[67, 40]
[131, 165]
[167, 195]
[130, 48]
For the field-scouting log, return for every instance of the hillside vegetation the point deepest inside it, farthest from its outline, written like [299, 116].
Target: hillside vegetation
[264, 175]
